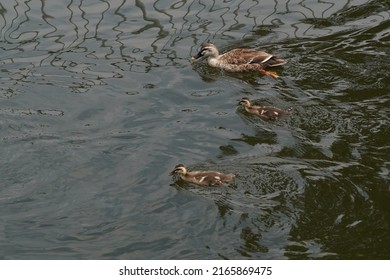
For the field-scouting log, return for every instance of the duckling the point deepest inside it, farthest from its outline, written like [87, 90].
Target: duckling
[202, 178]
[239, 60]
[267, 113]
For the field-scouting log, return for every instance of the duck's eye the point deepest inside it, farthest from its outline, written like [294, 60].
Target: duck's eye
[205, 51]
[178, 170]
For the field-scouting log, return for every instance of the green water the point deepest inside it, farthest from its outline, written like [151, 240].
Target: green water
[99, 100]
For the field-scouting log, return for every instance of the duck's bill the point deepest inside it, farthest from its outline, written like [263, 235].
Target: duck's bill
[195, 57]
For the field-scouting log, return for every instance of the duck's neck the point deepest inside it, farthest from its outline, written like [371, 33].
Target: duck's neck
[213, 61]
[248, 108]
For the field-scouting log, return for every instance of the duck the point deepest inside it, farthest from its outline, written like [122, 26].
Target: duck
[239, 60]
[265, 112]
[202, 178]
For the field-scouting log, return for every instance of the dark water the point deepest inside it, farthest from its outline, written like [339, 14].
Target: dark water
[99, 100]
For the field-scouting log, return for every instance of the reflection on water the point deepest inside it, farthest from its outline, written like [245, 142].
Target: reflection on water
[99, 100]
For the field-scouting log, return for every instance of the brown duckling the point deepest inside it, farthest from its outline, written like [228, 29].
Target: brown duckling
[202, 178]
[264, 112]
[239, 60]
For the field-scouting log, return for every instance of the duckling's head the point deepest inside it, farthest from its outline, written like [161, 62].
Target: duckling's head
[244, 101]
[179, 169]
[207, 50]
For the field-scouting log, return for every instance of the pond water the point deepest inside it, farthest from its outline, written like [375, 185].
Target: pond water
[99, 100]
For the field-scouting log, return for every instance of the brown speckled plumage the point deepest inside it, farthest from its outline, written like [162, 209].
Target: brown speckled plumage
[238, 60]
[265, 112]
[202, 178]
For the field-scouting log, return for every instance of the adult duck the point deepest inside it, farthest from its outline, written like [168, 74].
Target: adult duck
[239, 60]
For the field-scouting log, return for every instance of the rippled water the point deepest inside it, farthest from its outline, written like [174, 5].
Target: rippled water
[99, 100]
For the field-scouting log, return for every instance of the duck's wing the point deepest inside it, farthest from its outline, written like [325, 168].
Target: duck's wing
[245, 56]
[203, 178]
[271, 113]
[211, 178]
[257, 110]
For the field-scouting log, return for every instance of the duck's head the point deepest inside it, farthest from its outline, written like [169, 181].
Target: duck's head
[179, 169]
[207, 50]
[244, 101]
